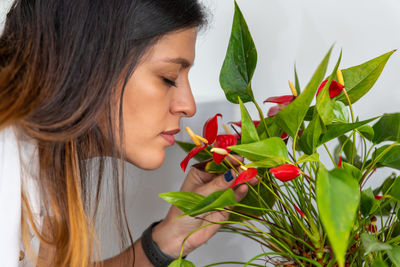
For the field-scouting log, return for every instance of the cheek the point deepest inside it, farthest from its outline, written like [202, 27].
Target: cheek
[144, 110]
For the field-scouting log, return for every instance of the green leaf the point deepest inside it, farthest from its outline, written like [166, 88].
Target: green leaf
[273, 128]
[181, 263]
[338, 198]
[310, 114]
[378, 263]
[309, 140]
[370, 244]
[212, 167]
[292, 116]
[352, 170]
[338, 129]
[184, 201]
[240, 61]
[395, 189]
[201, 156]
[324, 103]
[394, 255]
[387, 128]
[216, 200]
[366, 131]
[296, 81]
[368, 202]
[268, 162]
[308, 158]
[340, 112]
[267, 148]
[360, 79]
[249, 132]
[391, 158]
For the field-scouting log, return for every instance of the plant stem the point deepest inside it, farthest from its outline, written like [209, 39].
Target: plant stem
[352, 120]
[294, 145]
[260, 113]
[330, 155]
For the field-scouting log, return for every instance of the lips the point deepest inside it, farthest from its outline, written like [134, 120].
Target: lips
[169, 136]
[173, 132]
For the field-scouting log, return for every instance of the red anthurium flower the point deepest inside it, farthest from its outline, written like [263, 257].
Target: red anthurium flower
[372, 226]
[378, 197]
[245, 176]
[299, 211]
[223, 141]
[273, 111]
[283, 100]
[285, 172]
[191, 155]
[334, 89]
[210, 129]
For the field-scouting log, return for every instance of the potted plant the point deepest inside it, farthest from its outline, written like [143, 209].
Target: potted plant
[304, 211]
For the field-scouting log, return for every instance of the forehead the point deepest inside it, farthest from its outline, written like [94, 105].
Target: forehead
[176, 47]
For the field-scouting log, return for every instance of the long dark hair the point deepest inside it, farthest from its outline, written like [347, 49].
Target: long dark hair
[63, 69]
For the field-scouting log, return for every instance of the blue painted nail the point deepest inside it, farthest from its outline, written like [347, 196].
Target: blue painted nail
[228, 176]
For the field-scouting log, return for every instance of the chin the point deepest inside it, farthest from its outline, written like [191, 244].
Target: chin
[151, 161]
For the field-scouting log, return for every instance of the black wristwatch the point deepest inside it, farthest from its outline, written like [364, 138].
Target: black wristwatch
[152, 251]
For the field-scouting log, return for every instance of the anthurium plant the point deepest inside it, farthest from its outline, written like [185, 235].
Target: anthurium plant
[312, 205]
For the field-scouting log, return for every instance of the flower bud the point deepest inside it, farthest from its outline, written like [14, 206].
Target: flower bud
[293, 89]
[340, 76]
[243, 168]
[299, 211]
[218, 150]
[286, 172]
[202, 139]
[192, 135]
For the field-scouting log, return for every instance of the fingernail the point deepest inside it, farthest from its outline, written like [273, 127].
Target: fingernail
[228, 176]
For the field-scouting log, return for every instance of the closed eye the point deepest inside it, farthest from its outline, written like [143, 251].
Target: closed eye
[169, 82]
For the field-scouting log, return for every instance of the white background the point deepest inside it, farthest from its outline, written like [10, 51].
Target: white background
[285, 32]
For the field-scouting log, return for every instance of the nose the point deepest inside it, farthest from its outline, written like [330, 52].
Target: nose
[183, 104]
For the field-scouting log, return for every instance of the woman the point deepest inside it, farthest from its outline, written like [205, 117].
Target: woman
[90, 79]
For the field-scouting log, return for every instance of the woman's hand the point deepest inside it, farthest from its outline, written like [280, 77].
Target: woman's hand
[170, 233]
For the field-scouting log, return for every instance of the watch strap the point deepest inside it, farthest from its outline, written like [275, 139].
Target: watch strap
[151, 249]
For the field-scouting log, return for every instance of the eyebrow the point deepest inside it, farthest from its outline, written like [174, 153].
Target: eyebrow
[179, 60]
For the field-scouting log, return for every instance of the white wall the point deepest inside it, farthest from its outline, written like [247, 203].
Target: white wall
[284, 32]
[292, 31]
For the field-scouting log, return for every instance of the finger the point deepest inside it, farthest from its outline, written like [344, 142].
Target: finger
[235, 159]
[196, 178]
[241, 192]
[220, 182]
[254, 181]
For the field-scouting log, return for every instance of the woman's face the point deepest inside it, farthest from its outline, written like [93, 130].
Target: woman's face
[156, 97]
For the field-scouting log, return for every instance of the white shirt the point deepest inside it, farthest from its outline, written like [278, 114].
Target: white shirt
[18, 157]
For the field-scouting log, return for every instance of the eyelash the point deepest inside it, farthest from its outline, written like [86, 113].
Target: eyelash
[169, 82]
